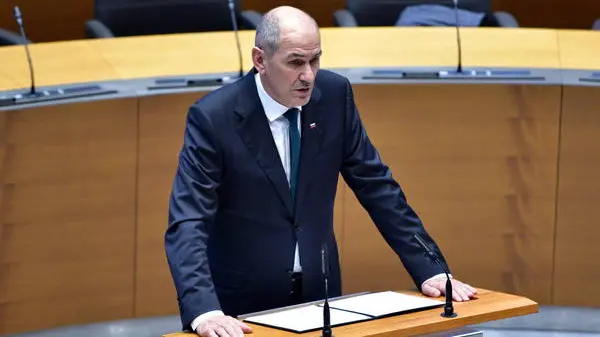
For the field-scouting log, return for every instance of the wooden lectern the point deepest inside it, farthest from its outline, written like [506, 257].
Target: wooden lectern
[488, 306]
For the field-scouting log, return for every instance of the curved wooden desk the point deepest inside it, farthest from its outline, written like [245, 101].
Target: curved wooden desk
[503, 172]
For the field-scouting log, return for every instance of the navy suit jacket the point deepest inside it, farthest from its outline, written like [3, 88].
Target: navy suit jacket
[232, 226]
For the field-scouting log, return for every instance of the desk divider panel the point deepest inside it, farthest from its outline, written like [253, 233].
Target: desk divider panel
[577, 232]
[478, 164]
[162, 126]
[67, 214]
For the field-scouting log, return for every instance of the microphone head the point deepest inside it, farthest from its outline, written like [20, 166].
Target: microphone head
[17, 13]
[455, 3]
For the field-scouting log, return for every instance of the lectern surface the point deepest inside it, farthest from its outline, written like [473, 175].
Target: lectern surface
[488, 306]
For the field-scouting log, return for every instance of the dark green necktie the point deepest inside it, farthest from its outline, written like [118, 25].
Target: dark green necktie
[292, 116]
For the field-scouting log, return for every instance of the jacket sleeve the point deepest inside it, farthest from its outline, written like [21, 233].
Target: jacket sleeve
[382, 197]
[192, 207]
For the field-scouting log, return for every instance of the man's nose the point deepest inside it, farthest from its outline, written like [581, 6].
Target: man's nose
[307, 74]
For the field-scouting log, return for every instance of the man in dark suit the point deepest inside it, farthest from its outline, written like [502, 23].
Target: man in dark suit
[252, 200]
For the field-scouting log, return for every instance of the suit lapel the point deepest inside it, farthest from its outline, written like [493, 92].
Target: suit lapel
[311, 142]
[253, 127]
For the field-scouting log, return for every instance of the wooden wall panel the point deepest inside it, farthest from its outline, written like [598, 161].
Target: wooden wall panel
[478, 163]
[67, 177]
[162, 124]
[577, 231]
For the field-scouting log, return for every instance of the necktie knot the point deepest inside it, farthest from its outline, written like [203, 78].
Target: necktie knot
[292, 116]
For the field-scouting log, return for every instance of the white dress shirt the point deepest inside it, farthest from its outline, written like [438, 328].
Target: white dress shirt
[279, 128]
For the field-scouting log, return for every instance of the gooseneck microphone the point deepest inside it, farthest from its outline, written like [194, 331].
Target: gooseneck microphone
[458, 42]
[237, 35]
[208, 81]
[448, 306]
[326, 332]
[19, 18]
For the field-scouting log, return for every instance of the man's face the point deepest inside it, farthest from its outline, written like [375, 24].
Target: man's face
[289, 74]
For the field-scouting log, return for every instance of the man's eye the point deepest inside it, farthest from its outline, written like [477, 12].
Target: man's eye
[296, 62]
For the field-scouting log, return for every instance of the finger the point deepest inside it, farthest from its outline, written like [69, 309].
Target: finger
[469, 291]
[430, 291]
[461, 293]
[204, 331]
[221, 332]
[232, 329]
[245, 327]
[455, 295]
[472, 289]
[462, 290]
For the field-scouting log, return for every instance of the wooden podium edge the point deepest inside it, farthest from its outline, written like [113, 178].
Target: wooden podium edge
[428, 321]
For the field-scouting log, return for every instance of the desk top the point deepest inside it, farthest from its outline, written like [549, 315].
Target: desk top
[488, 306]
[128, 58]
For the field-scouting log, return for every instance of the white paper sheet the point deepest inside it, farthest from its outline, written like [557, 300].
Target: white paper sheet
[305, 318]
[384, 303]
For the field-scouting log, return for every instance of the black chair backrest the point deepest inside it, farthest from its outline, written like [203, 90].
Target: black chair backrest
[146, 17]
[386, 12]
[10, 38]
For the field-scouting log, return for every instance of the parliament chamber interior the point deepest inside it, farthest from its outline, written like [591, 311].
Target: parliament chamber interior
[492, 128]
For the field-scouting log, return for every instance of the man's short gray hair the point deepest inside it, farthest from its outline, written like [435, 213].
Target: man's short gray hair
[267, 34]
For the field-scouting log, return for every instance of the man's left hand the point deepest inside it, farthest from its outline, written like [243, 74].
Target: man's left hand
[437, 287]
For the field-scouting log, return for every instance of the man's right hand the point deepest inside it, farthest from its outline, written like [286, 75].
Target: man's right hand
[222, 326]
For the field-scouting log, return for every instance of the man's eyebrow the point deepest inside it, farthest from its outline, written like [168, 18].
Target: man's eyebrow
[299, 55]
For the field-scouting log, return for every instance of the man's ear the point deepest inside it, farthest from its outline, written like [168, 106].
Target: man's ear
[258, 58]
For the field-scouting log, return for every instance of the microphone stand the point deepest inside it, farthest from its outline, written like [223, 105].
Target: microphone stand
[209, 81]
[39, 96]
[459, 68]
[326, 331]
[448, 306]
[19, 18]
[237, 35]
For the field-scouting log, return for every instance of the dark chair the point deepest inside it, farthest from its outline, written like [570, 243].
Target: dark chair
[115, 18]
[596, 25]
[386, 12]
[9, 38]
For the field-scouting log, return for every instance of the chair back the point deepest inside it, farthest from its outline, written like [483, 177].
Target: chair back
[146, 17]
[386, 12]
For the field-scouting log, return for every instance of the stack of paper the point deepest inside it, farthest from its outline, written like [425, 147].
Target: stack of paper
[345, 310]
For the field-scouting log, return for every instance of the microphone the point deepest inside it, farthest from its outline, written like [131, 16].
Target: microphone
[204, 81]
[326, 332]
[448, 306]
[459, 44]
[237, 35]
[39, 96]
[19, 18]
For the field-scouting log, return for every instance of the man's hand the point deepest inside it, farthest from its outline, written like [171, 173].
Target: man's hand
[222, 326]
[437, 287]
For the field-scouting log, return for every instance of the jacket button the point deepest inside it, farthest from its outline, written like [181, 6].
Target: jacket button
[296, 225]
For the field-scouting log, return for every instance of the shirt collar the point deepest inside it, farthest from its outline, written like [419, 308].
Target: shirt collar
[273, 109]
